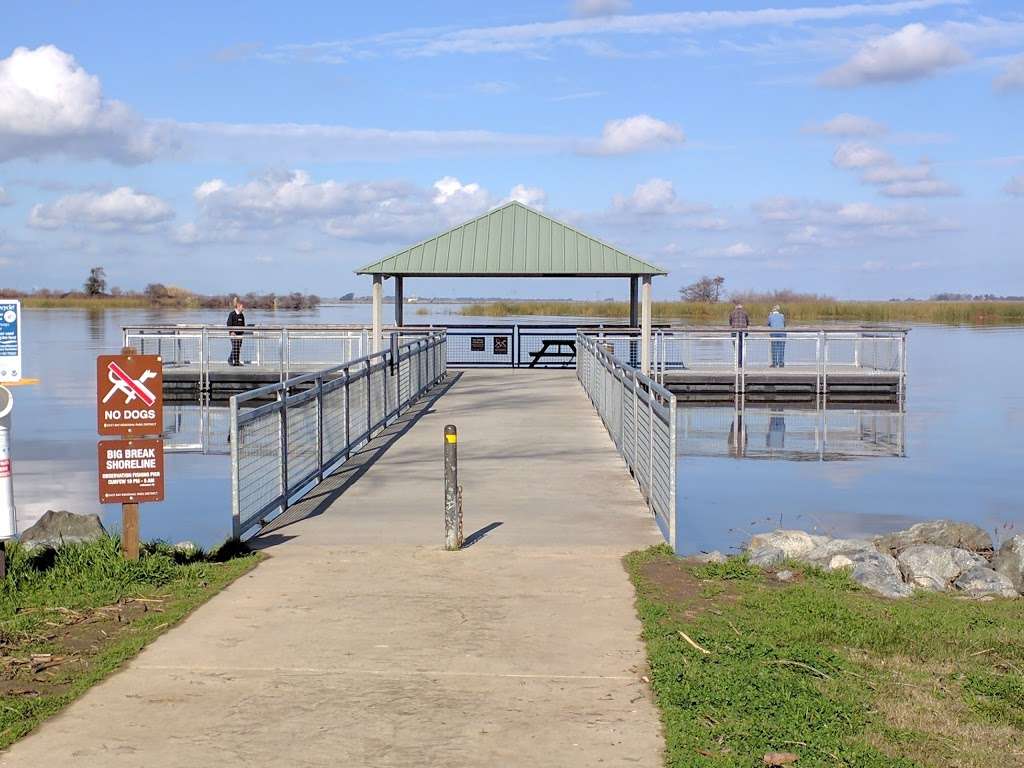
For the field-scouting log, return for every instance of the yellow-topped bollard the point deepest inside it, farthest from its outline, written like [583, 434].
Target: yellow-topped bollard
[452, 496]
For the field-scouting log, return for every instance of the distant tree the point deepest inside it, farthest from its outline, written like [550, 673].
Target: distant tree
[707, 290]
[96, 283]
[348, 297]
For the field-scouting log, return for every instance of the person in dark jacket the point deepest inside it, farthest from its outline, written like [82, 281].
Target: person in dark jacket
[236, 318]
[739, 318]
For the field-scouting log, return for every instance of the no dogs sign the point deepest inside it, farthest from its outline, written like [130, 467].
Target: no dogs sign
[131, 471]
[129, 395]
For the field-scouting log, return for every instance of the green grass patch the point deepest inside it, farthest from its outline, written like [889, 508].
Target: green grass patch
[797, 313]
[824, 670]
[68, 619]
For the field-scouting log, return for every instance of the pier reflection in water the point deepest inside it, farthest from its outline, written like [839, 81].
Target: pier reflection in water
[815, 431]
[196, 427]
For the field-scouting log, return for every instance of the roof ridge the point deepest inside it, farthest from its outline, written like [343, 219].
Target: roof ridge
[369, 268]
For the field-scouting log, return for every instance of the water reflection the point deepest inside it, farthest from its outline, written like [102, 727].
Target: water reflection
[816, 431]
[198, 427]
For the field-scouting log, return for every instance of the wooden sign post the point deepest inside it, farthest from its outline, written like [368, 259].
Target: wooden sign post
[130, 404]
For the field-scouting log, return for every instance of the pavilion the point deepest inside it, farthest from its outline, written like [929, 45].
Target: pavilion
[515, 241]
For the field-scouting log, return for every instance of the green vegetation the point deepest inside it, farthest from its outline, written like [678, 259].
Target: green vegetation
[68, 619]
[820, 669]
[797, 313]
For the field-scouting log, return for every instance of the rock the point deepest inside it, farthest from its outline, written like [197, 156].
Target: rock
[784, 575]
[1009, 561]
[877, 572]
[792, 543]
[185, 548]
[54, 529]
[824, 553]
[942, 533]
[710, 557]
[838, 561]
[767, 557]
[980, 581]
[933, 567]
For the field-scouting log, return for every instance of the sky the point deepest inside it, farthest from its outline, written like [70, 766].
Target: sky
[858, 150]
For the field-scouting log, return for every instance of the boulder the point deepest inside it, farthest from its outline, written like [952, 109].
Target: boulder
[54, 529]
[942, 533]
[784, 575]
[767, 557]
[792, 543]
[186, 548]
[1009, 561]
[710, 557]
[875, 571]
[825, 552]
[980, 581]
[934, 568]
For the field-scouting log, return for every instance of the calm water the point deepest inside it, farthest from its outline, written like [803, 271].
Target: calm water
[957, 451]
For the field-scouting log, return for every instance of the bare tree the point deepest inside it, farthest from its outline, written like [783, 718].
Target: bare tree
[96, 283]
[707, 290]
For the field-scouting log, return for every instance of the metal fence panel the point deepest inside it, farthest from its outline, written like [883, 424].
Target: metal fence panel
[312, 422]
[640, 416]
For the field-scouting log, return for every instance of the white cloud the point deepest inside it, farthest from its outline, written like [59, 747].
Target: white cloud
[5, 199]
[636, 134]
[849, 125]
[859, 155]
[1012, 77]
[651, 197]
[50, 105]
[600, 7]
[122, 209]
[779, 208]
[920, 188]
[535, 36]
[887, 174]
[737, 250]
[534, 197]
[356, 210]
[494, 87]
[912, 52]
[1015, 186]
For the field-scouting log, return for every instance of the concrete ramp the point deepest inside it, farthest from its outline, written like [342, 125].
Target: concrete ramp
[360, 642]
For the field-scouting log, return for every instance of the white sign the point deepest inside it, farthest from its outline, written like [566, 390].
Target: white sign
[10, 340]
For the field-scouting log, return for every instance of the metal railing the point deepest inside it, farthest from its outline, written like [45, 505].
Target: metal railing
[314, 422]
[797, 352]
[640, 416]
[285, 350]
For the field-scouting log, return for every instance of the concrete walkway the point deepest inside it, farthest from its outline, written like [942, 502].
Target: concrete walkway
[360, 642]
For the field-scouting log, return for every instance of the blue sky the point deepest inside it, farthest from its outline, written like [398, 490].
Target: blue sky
[853, 149]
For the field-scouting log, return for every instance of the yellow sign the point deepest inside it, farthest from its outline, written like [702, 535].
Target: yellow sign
[451, 438]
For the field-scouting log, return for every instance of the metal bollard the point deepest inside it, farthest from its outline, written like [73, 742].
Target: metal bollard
[452, 492]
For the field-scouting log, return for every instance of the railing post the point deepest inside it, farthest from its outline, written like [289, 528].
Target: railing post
[283, 422]
[236, 512]
[320, 428]
[348, 432]
[284, 353]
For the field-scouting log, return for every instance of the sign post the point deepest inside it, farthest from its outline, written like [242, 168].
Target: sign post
[10, 340]
[130, 404]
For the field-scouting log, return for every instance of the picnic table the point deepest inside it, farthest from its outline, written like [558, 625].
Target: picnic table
[545, 353]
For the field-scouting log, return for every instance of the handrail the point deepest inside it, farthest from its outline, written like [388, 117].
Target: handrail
[640, 416]
[296, 432]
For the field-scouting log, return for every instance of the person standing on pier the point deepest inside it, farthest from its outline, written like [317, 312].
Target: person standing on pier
[236, 318]
[777, 321]
[739, 318]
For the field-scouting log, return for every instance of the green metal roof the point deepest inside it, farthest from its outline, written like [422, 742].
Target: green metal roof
[512, 241]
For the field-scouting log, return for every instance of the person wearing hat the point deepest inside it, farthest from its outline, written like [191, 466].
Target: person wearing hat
[777, 321]
[739, 318]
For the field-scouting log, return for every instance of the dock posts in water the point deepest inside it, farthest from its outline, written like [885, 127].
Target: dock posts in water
[452, 495]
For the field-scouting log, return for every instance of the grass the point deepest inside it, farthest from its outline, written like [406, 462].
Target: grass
[826, 671]
[803, 312]
[69, 619]
[85, 302]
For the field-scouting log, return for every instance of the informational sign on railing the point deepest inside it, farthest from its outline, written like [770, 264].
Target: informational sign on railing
[10, 340]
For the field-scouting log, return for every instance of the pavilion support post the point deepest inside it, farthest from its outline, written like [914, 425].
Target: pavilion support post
[645, 326]
[634, 301]
[377, 312]
[399, 301]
